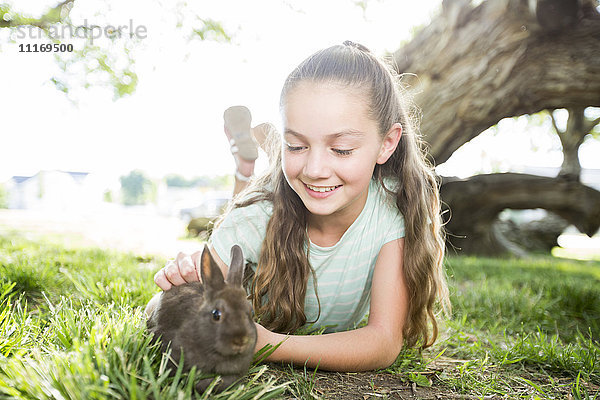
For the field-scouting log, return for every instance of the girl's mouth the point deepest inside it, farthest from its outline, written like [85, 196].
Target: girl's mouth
[321, 191]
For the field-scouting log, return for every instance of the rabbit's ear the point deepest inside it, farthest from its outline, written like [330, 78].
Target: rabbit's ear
[236, 269]
[210, 272]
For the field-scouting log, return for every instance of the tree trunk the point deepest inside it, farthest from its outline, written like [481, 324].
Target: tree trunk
[578, 127]
[475, 203]
[477, 65]
[570, 140]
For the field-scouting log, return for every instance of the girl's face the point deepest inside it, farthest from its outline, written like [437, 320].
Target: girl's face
[331, 146]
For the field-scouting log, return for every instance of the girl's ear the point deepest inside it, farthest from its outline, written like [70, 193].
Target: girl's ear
[390, 142]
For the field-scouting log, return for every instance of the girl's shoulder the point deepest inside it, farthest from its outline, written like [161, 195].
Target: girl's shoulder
[245, 226]
[252, 210]
[385, 216]
[385, 195]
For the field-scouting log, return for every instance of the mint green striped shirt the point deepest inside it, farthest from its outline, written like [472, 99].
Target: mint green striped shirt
[344, 271]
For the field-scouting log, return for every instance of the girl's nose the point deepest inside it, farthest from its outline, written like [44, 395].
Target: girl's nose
[316, 166]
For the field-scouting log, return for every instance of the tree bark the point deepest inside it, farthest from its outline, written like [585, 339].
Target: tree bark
[578, 127]
[474, 66]
[475, 203]
[570, 139]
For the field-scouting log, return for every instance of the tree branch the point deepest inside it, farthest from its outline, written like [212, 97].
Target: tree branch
[558, 131]
[52, 16]
[475, 203]
[473, 74]
[591, 124]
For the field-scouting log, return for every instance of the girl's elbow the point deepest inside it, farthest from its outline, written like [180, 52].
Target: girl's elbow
[387, 359]
[390, 349]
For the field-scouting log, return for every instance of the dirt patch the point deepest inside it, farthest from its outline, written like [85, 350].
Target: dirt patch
[360, 385]
[373, 385]
[386, 385]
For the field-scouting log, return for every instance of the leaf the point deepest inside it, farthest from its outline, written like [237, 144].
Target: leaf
[419, 379]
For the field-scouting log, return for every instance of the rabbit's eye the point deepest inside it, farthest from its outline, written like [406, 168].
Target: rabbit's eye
[216, 314]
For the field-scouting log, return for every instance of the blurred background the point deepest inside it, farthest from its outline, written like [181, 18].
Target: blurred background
[119, 143]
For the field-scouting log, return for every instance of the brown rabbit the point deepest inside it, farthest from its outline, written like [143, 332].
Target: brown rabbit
[210, 321]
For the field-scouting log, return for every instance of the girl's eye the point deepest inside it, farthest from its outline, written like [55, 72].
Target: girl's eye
[343, 152]
[216, 314]
[294, 148]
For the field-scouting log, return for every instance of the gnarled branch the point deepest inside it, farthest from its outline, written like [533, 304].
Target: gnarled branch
[475, 203]
[477, 65]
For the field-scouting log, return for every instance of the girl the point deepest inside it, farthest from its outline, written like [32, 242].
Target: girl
[346, 222]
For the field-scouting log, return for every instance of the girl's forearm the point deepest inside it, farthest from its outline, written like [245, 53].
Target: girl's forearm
[362, 349]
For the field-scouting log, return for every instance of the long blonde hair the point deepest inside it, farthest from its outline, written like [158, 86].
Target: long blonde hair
[284, 268]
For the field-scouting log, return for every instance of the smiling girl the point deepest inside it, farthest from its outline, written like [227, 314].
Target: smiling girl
[345, 224]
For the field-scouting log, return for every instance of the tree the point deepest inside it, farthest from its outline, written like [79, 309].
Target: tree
[478, 64]
[137, 189]
[3, 197]
[174, 180]
[109, 65]
[571, 138]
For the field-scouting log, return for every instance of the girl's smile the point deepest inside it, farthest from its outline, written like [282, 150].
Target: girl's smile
[321, 192]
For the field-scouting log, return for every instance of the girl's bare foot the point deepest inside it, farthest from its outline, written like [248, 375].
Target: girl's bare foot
[237, 128]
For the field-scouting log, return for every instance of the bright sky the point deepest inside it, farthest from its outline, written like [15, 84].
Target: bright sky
[173, 122]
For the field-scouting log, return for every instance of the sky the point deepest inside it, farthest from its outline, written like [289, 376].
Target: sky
[173, 122]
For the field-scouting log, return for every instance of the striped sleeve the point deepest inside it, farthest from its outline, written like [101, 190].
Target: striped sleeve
[395, 227]
[391, 219]
[245, 227]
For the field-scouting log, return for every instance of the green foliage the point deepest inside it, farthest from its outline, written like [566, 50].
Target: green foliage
[137, 188]
[559, 296]
[89, 64]
[520, 328]
[174, 180]
[5, 14]
[303, 383]
[12, 18]
[3, 197]
[83, 335]
[109, 62]
[99, 65]
[210, 29]
[592, 115]
[218, 181]
[522, 325]
[107, 196]
[72, 326]
[37, 271]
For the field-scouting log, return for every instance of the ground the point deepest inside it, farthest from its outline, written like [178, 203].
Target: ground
[520, 329]
[383, 385]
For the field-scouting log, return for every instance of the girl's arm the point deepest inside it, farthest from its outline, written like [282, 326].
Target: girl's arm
[374, 346]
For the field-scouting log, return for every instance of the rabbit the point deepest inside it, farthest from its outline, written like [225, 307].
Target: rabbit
[210, 321]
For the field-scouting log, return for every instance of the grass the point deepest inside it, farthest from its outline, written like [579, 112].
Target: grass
[72, 327]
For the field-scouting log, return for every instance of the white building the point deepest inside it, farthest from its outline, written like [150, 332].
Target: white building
[54, 191]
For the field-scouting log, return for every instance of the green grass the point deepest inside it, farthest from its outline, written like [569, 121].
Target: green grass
[72, 327]
[520, 328]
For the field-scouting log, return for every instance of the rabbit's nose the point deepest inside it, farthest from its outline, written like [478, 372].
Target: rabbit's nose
[241, 341]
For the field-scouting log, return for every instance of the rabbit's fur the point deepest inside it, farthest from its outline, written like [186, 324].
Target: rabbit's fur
[210, 321]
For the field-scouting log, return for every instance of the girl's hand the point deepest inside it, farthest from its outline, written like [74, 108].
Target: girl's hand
[184, 268]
